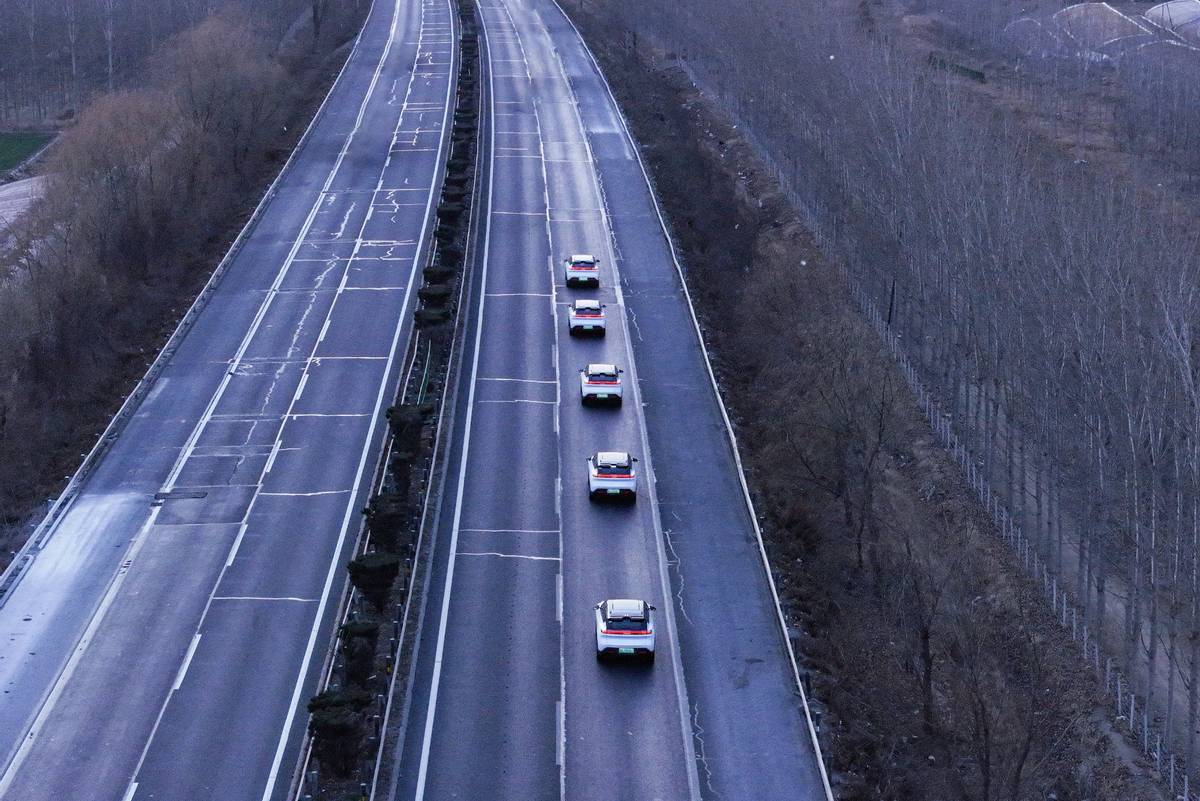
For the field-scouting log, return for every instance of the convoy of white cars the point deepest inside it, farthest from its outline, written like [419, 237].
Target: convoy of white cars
[624, 627]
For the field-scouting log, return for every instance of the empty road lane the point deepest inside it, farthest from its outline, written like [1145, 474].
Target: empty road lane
[163, 636]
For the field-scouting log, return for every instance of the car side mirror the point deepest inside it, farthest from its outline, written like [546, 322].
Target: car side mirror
[634, 459]
[651, 607]
[597, 606]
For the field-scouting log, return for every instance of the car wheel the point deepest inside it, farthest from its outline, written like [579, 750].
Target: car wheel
[650, 657]
[599, 655]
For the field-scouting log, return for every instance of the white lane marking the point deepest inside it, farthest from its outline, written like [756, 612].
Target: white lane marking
[524, 380]
[559, 746]
[324, 329]
[558, 598]
[305, 494]
[560, 722]
[511, 530]
[294, 415]
[274, 453]
[303, 380]
[266, 598]
[237, 544]
[130, 792]
[812, 731]
[448, 584]
[187, 661]
[509, 556]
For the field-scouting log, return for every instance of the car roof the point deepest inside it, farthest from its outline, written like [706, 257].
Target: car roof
[578, 257]
[625, 607]
[597, 367]
[612, 457]
[587, 304]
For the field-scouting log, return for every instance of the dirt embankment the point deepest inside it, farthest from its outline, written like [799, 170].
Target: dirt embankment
[940, 674]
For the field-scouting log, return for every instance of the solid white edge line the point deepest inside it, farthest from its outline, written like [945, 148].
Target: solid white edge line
[130, 792]
[237, 543]
[187, 661]
[720, 404]
[271, 457]
[558, 597]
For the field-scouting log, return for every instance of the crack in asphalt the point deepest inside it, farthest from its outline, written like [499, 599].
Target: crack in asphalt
[673, 561]
[701, 755]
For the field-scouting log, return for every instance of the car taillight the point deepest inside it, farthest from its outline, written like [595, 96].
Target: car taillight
[610, 631]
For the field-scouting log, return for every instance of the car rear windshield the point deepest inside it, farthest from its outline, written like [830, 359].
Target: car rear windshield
[603, 376]
[613, 469]
[625, 624]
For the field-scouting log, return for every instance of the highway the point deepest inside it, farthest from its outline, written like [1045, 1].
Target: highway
[167, 625]
[507, 699]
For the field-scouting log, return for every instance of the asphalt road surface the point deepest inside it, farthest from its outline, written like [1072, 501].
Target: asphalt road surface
[163, 640]
[508, 700]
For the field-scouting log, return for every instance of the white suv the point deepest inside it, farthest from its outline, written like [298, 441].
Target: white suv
[624, 627]
[582, 270]
[587, 317]
[611, 476]
[600, 383]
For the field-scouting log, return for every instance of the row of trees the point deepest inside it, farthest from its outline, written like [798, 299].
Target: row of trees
[1050, 302]
[55, 53]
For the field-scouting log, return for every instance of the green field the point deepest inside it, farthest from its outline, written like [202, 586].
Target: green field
[16, 147]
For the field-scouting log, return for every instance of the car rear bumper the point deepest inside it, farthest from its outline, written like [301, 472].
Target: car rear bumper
[622, 492]
[592, 395]
[635, 645]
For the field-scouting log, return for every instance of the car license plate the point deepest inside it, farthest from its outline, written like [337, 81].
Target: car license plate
[587, 328]
[614, 492]
[602, 396]
[626, 650]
